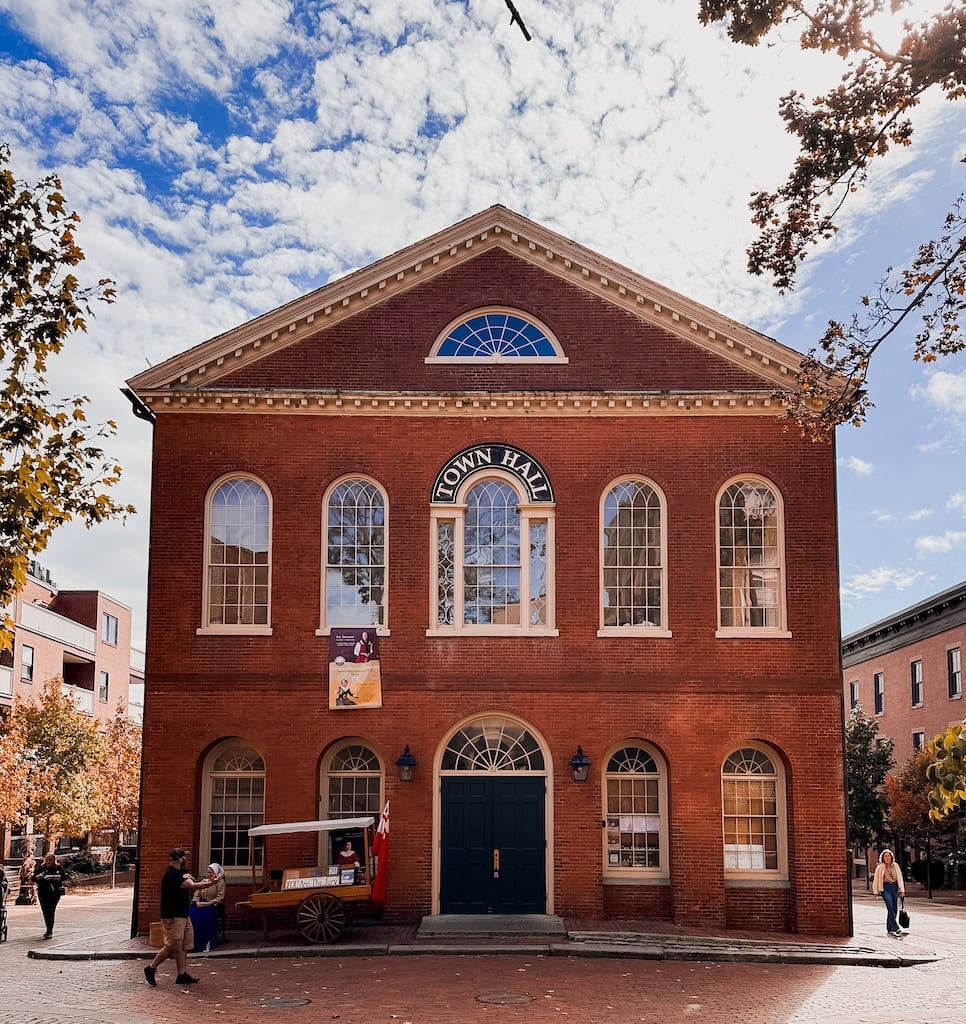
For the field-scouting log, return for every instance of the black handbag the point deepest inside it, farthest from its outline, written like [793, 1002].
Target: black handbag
[903, 917]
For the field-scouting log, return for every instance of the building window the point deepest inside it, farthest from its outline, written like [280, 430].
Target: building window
[109, 629]
[915, 671]
[356, 542]
[105, 682]
[633, 553]
[635, 798]
[238, 556]
[353, 788]
[853, 694]
[753, 801]
[493, 559]
[234, 803]
[918, 741]
[878, 686]
[954, 672]
[496, 335]
[26, 663]
[751, 586]
[493, 744]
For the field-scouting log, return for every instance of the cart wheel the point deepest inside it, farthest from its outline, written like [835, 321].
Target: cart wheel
[321, 917]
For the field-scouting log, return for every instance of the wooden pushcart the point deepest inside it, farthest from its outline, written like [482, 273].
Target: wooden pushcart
[323, 903]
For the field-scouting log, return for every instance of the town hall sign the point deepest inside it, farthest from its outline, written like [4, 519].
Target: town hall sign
[492, 456]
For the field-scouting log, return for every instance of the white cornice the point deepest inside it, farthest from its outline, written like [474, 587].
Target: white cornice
[479, 404]
[496, 227]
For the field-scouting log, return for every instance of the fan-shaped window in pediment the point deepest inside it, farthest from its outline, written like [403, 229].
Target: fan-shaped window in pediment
[496, 335]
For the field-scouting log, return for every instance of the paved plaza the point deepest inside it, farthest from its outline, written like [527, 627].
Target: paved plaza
[496, 989]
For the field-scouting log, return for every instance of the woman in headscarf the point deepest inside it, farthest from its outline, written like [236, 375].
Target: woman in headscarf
[204, 912]
[887, 883]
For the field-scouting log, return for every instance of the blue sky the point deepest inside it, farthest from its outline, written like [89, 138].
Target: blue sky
[229, 155]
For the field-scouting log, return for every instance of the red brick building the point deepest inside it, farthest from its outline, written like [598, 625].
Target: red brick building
[562, 497]
[906, 670]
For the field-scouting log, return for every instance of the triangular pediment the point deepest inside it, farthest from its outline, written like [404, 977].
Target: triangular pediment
[496, 228]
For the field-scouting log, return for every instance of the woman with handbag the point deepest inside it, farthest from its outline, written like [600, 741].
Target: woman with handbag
[49, 879]
[887, 883]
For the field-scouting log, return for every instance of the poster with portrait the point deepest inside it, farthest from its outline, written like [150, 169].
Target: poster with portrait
[355, 680]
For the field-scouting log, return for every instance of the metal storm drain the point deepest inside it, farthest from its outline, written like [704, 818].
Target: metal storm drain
[281, 1002]
[504, 998]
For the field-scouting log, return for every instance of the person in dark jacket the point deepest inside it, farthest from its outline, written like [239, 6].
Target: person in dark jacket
[177, 885]
[49, 879]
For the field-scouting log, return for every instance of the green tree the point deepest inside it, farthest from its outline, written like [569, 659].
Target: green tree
[117, 780]
[867, 762]
[841, 135]
[64, 744]
[52, 469]
[947, 773]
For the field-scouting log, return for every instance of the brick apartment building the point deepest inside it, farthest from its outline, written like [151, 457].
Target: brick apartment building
[562, 498]
[82, 636]
[907, 670]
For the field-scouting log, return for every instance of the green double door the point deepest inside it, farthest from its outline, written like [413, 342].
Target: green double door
[493, 845]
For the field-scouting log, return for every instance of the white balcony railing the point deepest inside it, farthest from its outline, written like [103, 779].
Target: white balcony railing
[84, 699]
[42, 620]
[6, 681]
[135, 712]
[137, 660]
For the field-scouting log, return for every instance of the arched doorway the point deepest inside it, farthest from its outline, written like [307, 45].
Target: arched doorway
[493, 819]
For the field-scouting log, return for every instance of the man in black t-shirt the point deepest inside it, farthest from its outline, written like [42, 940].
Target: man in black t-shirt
[177, 885]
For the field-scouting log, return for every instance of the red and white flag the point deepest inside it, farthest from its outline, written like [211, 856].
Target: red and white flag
[380, 850]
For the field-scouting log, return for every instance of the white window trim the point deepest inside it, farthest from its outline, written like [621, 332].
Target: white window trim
[922, 682]
[878, 714]
[324, 627]
[207, 628]
[501, 360]
[959, 695]
[326, 773]
[528, 511]
[662, 630]
[656, 876]
[234, 873]
[781, 795]
[781, 631]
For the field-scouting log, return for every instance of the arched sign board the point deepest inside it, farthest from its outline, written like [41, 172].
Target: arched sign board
[492, 456]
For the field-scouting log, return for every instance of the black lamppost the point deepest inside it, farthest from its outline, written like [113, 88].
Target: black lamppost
[25, 896]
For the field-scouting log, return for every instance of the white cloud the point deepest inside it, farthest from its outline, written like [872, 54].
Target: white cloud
[947, 392]
[919, 513]
[934, 447]
[957, 502]
[857, 465]
[941, 544]
[874, 581]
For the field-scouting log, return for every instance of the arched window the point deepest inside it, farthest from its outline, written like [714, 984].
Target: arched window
[635, 812]
[493, 744]
[753, 808]
[352, 788]
[356, 543]
[495, 335]
[751, 555]
[238, 557]
[493, 561]
[233, 802]
[633, 553]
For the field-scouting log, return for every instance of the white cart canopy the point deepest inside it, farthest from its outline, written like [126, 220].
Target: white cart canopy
[310, 826]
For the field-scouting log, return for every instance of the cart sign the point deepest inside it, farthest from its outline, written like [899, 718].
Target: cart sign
[355, 680]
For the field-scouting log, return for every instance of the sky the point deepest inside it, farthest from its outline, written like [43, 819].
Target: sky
[227, 156]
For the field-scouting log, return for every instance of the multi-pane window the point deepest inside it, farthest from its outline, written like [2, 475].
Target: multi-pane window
[918, 741]
[750, 584]
[853, 694]
[238, 555]
[632, 812]
[236, 780]
[632, 557]
[954, 672]
[353, 789]
[26, 663]
[878, 689]
[494, 335]
[355, 555]
[493, 563]
[103, 686]
[752, 812]
[109, 628]
[915, 672]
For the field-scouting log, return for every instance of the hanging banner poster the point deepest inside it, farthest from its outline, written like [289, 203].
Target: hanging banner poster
[355, 680]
